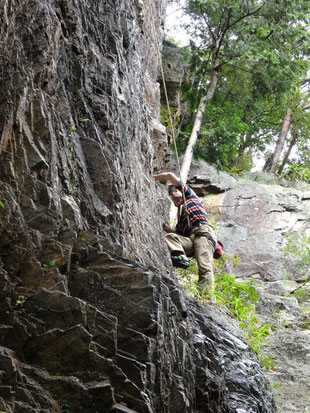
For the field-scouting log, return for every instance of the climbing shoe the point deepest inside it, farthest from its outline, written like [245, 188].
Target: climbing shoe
[179, 261]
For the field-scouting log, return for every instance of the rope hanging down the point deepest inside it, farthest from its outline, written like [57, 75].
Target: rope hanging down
[169, 114]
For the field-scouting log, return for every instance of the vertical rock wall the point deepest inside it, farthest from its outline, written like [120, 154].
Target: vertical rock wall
[79, 105]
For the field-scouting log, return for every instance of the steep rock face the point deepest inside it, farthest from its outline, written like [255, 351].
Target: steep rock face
[125, 340]
[92, 319]
[78, 107]
[120, 337]
[174, 73]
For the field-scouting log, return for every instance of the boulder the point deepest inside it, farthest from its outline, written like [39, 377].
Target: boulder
[253, 219]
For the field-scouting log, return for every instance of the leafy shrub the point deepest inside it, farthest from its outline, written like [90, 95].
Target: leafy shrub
[297, 172]
[166, 118]
[238, 297]
[302, 295]
[297, 249]
[243, 164]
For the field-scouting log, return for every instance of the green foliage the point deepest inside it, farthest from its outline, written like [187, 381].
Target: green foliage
[189, 280]
[297, 249]
[268, 361]
[170, 40]
[50, 264]
[234, 295]
[1, 204]
[302, 295]
[238, 297]
[243, 164]
[82, 120]
[64, 407]
[165, 117]
[304, 322]
[219, 137]
[212, 223]
[20, 302]
[259, 50]
[297, 172]
[71, 189]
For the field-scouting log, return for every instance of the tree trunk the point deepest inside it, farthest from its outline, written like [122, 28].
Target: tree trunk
[293, 141]
[272, 162]
[245, 139]
[197, 124]
[194, 134]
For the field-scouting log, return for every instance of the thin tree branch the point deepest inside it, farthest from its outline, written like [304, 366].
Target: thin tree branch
[302, 285]
[229, 92]
[207, 23]
[266, 113]
[269, 34]
[225, 30]
[240, 68]
[277, 22]
[246, 15]
[220, 19]
[305, 81]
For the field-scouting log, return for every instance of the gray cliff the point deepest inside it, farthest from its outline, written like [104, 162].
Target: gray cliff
[255, 216]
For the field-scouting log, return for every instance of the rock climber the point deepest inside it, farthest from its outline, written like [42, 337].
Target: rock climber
[193, 234]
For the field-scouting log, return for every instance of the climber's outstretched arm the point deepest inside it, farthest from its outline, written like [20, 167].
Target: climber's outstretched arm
[167, 176]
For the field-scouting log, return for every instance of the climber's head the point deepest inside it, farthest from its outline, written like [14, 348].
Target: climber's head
[176, 195]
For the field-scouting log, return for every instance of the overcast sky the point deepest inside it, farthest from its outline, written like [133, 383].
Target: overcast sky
[174, 20]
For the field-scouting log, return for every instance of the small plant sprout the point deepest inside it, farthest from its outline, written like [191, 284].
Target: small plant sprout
[20, 302]
[50, 264]
[1, 204]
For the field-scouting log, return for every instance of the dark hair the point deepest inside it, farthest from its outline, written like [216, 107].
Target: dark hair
[171, 189]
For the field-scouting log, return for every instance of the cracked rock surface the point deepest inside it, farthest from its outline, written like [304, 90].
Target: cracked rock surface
[254, 220]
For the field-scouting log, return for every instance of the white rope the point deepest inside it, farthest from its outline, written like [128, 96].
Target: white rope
[169, 114]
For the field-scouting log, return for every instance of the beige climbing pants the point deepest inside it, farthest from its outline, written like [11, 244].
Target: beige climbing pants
[197, 245]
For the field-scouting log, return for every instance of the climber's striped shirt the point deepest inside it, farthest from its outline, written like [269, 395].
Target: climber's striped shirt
[197, 213]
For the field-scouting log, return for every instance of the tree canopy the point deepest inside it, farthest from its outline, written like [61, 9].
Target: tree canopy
[259, 51]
